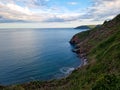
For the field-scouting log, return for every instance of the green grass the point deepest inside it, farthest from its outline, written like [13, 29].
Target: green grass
[91, 26]
[83, 34]
[107, 82]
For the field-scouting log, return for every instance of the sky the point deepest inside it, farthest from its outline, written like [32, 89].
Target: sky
[56, 13]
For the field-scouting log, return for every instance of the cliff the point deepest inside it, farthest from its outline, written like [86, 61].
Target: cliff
[88, 40]
[101, 47]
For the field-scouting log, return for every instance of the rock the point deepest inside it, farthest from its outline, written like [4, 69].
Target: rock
[76, 50]
[74, 40]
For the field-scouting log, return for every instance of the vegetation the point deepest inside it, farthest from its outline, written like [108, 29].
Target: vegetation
[102, 46]
[86, 26]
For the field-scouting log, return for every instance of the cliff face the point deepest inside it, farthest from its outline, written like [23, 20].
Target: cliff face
[102, 48]
[88, 39]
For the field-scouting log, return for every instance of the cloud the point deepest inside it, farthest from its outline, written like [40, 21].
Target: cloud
[40, 11]
[33, 3]
[63, 17]
[12, 11]
[17, 8]
[72, 3]
[6, 20]
[102, 10]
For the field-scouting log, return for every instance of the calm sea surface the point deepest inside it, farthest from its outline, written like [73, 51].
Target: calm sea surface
[35, 54]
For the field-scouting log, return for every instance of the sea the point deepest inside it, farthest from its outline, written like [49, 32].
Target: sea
[36, 54]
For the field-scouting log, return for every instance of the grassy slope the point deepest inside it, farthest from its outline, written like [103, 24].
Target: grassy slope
[103, 70]
[87, 26]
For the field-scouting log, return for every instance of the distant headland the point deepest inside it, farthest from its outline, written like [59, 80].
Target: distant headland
[86, 26]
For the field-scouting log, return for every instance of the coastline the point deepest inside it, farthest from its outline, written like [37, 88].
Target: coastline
[78, 50]
[103, 69]
[82, 57]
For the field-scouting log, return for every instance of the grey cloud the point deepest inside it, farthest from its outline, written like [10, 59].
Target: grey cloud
[62, 19]
[102, 10]
[40, 2]
[54, 20]
[6, 20]
[33, 3]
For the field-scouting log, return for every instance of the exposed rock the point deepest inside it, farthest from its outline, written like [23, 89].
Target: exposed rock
[74, 40]
[82, 43]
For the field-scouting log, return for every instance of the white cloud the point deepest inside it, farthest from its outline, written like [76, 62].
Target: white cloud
[103, 9]
[72, 3]
[99, 11]
[13, 11]
[64, 17]
[17, 8]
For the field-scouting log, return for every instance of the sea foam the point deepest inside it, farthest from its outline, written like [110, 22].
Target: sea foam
[66, 70]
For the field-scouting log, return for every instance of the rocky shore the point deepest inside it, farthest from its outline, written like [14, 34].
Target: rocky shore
[75, 42]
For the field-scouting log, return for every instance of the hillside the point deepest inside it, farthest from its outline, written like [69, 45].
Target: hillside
[86, 26]
[101, 47]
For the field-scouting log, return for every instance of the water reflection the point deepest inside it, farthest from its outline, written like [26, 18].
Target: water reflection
[38, 54]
